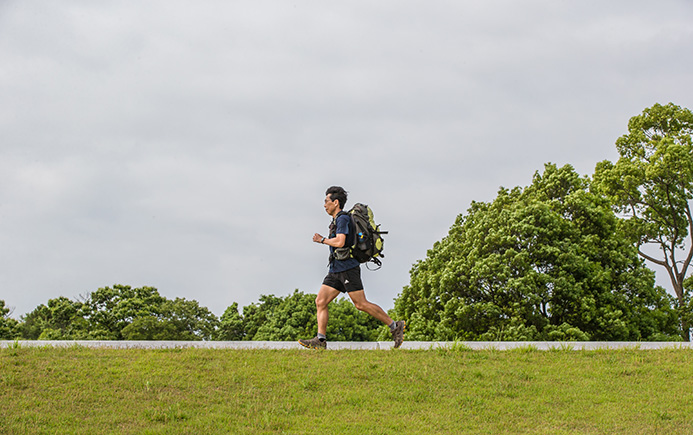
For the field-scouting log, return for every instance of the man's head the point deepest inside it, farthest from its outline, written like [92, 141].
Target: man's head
[335, 196]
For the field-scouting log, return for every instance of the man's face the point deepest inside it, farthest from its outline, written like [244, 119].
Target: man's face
[331, 206]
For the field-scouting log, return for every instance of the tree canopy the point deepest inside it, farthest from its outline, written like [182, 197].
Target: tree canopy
[293, 317]
[9, 327]
[125, 313]
[547, 262]
[651, 186]
[120, 313]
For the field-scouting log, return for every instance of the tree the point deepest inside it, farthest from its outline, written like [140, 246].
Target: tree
[651, 186]
[284, 318]
[179, 319]
[191, 321]
[110, 310]
[60, 319]
[120, 313]
[547, 262]
[9, 327]
[125, 313]
[230, 325]
[294, 316]
[150, 328]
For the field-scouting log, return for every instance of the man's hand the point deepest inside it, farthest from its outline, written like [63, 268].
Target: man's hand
[317, 238]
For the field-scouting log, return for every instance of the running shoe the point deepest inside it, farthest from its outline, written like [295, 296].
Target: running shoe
[313, 343]
[398, 333]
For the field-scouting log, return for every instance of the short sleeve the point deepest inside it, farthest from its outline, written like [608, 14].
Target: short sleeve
[342, 224]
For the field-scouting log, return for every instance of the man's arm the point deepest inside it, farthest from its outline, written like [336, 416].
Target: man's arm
[335, 242]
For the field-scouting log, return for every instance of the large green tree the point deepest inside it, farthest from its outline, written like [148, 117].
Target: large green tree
[120, 313]
[547, 262]
[109, 310]
[125, 313]
[9, 327]
[59, 319]
[178, 319]
[651, 186]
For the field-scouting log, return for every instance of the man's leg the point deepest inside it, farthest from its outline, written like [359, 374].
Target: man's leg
[362, 304]
[396, 328]
[326, 294]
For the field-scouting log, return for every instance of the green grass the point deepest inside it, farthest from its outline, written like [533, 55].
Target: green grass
[199, 391]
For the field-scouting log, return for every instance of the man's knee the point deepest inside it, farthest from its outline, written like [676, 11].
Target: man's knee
[326, 295]
[318, 302]
[361, 305]
[321, 302]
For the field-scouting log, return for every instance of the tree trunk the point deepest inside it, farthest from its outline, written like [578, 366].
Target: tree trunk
[678, 289]
[676, 278]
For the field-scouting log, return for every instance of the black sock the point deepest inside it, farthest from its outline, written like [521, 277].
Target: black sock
[322, 337]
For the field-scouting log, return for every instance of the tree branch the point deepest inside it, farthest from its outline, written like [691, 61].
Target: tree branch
[664, 264]
[687, 262]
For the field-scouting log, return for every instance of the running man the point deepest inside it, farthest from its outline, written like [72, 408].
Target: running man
[344, 275]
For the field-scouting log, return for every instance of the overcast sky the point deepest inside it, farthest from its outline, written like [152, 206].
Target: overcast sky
[188, 145]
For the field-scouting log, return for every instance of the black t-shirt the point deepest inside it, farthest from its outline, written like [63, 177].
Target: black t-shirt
[342, 227]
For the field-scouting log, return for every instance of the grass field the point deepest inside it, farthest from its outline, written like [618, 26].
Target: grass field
[199, 391]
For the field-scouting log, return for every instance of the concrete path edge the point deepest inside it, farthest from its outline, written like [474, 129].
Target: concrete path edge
[339, 345]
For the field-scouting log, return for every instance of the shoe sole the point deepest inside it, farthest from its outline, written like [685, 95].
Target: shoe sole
[308, 346]
[404, 328]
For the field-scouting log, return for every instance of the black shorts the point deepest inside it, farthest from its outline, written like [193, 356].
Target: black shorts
[345, 282]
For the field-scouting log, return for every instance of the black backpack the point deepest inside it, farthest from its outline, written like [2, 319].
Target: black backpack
[368, 243]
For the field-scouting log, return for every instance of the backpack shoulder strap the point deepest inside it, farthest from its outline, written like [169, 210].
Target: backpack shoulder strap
[333, 224]
[351, 237]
